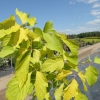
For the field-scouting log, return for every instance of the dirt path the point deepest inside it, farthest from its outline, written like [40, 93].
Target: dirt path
[83, 52]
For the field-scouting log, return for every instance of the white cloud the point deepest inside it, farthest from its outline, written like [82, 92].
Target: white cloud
[96, 5]
[71, 2]
[94, 22]
[87, 1]
[90, 26]
[95, 12]
[80, 30]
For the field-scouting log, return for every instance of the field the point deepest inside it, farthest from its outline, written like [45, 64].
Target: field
[87, 41]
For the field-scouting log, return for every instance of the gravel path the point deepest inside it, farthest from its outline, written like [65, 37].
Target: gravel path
[83, 53]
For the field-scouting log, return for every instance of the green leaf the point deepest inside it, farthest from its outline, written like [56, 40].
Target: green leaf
[6, 40]
[40, 85]
[52, 65]
[97, 60]
[6, 51]
[47, 96]
[36, 56]
[32, 21]
[71, 90]
[48, 27]
[9, 28]
[8, 23]
[53, 42]
[80, 96]
[71, 58]
[82, 77]
[72, 45]
[91, 75]
[14, 92]
[38, 31]
[25, 18]
[2, 34]
[22, 69]
[59, 92]
[18, 37]
[63, 73]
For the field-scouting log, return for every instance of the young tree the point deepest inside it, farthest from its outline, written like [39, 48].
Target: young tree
[37, 68]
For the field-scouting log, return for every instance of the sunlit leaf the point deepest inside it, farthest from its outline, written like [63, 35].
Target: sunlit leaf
[22, 69]
[25, 18]
[82, 77]
[40, 85]
[47, 96]
[59, 92]
[36, 56]
[52, 65]
[72, 45]
[71, 90]
[53, 42]
[97, 60]
[63, 73]
[91, 75]
[8, 23]
[38, 31]
[48, 27]
[14, 92]
[71, 58]
[80, 96]
[6, 51]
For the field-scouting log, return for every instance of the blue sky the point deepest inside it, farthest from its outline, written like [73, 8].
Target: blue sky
[68, 16]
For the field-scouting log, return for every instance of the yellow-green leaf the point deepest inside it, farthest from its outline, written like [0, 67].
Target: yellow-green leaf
[52, 65]
[18, 37]
[32, 21]
[82, 77]
[22, 69]
[59, 92]
[47, 96]
[8, 23]
[14, 92]
[71, 90]
[53, 42]
[36, 56]
[48, 27]
[80, 96]
[97, 60]
[91, 75]
[40, 85]
[72, 45]
[6, 51]
[63, 73]
[25, 18]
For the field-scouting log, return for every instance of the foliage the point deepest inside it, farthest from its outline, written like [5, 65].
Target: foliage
[41, 63]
